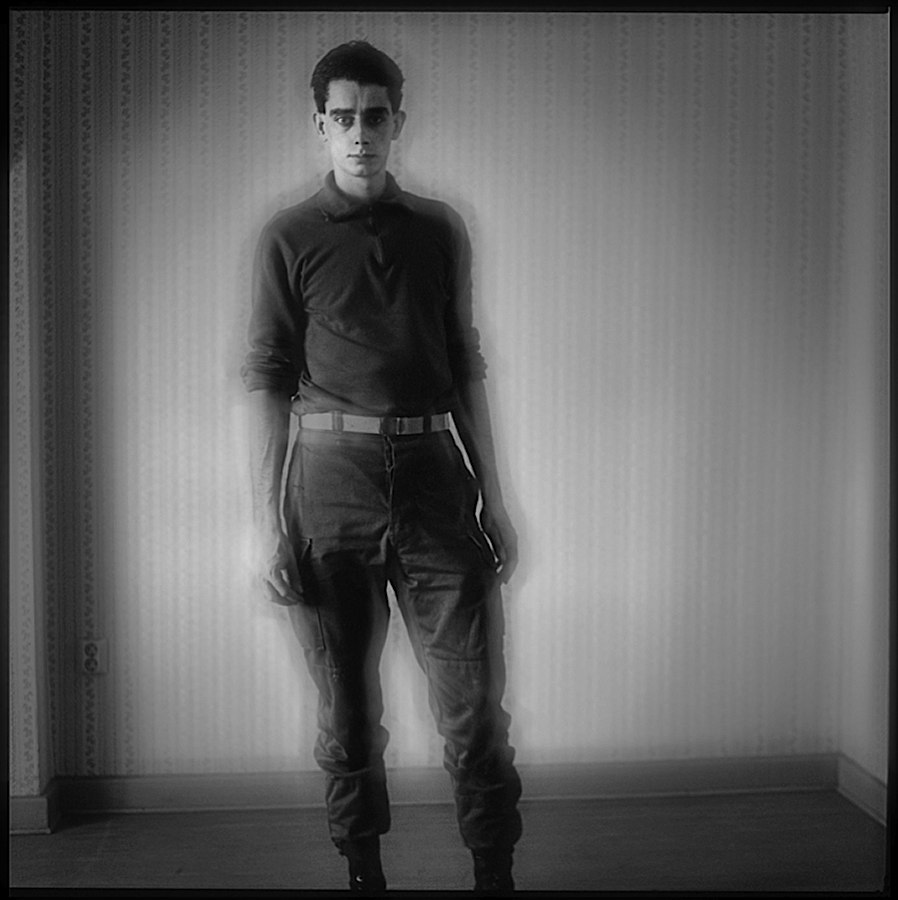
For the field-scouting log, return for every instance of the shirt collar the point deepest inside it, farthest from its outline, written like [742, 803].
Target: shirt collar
[337, 206]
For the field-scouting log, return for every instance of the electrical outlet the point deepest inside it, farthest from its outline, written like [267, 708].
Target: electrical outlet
[93, 656]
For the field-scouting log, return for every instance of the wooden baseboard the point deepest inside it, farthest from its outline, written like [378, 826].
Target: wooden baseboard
[653, 778]
[170, 793]
[862, 789]
[35, 815]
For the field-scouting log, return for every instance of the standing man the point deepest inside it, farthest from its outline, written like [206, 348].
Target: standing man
[362, 326]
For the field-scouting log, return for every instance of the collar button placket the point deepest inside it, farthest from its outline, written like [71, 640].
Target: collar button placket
[371, 228]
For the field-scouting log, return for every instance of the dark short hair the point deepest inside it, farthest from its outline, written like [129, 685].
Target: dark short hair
[357, 61]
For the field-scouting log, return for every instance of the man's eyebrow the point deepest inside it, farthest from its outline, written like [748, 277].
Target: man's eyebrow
[352, 112]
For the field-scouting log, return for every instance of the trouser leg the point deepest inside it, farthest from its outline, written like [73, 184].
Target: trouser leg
[335, 514]
[465, 699]
[449, 597]
[351, 740]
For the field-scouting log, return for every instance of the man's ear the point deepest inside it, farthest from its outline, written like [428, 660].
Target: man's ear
[318, 121]
[398, 122]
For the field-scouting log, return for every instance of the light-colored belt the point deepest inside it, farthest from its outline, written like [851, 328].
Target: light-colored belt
[394, 425]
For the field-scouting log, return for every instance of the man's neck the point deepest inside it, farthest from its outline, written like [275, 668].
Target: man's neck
[365, 190]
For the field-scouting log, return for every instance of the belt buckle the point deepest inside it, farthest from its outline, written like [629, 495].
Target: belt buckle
[403, 425]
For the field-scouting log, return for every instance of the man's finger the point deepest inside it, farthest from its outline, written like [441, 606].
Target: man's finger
[290, 572]
[507, 569]
[506, 557]
[279, 590]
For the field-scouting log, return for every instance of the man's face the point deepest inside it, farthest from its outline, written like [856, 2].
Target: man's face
[358, 126]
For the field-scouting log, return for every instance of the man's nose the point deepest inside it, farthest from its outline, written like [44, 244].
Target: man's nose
[361, 135]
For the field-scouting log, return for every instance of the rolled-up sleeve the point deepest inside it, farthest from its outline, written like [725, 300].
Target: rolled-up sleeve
[462, 337]
[274, 358]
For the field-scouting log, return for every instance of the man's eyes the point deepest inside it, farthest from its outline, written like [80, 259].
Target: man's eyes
[373, 120]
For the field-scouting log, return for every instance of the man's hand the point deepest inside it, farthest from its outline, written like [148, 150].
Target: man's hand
[472, 421]
[275, 562]
[278, 570]
[498, 528]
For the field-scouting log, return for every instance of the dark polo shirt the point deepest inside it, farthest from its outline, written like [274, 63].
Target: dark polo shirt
[364, 308]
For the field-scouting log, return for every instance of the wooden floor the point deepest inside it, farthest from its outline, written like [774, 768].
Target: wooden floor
[813, 841]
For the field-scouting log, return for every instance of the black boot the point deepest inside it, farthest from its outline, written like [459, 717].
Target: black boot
[492, 872]
[365, 873]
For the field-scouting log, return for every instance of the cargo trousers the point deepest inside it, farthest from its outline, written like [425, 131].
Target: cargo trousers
[363, 511]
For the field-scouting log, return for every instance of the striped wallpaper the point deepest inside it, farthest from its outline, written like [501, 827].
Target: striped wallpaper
[679, 227]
